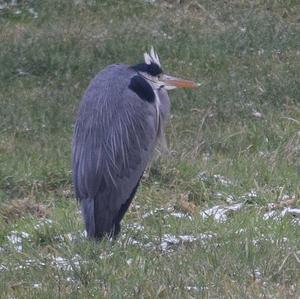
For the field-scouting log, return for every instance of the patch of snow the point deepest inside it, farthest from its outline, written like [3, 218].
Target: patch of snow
[286, 197]
[151, 213]
[24, 235]
[202, 176]
[21, 72]
[70, 279]
[219, 194]
[240, 231]
[269, 215]
[147, 214]
[252, 193]
[70, 236]
[165, 244]
[291, 211]
[257, 275]
[180, 215]
[206, 156]
[219, 212]
[223, 180]
[149, 245]
[33, 13]
[106, 255]
[60, 262]
[257, 113]
[129, 261]
[136, 226]
[132, 241]
[16, 239]
[168, 240]
[37, 285]
[192, 288]
[188, 238]
[296, 221]
[29, 263]
[230, 199]
[168, 212]
[3, 268]
[25, 264]
[136, 206]
[43, 222]
[278, 214]
[66, 265]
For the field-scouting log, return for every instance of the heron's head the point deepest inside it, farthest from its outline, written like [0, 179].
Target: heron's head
[151, 71]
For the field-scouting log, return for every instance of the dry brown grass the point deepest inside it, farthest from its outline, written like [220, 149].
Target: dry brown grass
[18, 208]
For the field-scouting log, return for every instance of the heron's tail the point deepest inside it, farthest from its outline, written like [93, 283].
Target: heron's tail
[87, 210]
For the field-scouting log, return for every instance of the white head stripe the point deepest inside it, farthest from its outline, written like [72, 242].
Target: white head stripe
[152, 57]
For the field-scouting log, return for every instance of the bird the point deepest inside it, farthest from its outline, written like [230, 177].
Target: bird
[121, 118]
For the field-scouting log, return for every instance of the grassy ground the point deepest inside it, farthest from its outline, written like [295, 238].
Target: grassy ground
[235, 140]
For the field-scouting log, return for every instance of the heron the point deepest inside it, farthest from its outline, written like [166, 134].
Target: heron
[121, 118]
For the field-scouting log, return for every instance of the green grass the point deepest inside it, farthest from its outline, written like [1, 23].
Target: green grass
[237, 133]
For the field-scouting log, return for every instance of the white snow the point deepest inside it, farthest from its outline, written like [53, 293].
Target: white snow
[37, 285]
[168, 240]
[16, 239]
[169, 211]
[43, 222]
[65, 264]
[278, 214]
[223, 180]
[219, 212]
[3, 268]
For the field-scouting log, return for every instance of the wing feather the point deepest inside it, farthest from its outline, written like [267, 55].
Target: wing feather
[114, 137]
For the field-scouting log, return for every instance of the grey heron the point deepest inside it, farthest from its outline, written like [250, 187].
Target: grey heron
[121, 118]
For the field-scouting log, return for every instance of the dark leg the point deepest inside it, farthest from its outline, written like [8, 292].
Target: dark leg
[123, 209]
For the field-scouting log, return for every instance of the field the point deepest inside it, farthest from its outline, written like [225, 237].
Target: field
[218, 215]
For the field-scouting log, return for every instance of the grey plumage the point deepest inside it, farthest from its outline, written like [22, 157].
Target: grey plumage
[114, 137]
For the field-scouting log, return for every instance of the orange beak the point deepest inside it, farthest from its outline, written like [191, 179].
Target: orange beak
[173, 82]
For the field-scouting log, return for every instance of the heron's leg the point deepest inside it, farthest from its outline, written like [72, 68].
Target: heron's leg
[126, 205]
[117, 229]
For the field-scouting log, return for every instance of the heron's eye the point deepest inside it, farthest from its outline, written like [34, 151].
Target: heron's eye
[160, 76]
